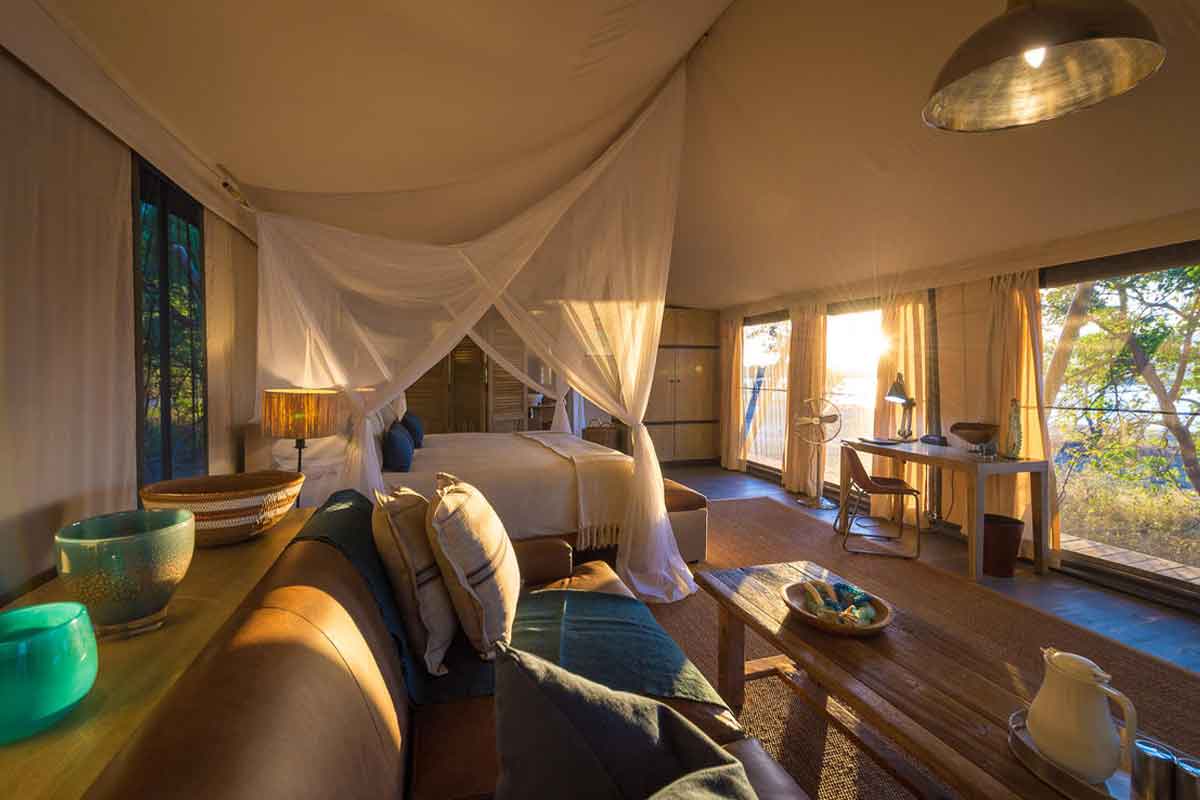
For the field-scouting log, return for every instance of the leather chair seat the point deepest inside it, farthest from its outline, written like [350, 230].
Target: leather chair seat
[897, 484]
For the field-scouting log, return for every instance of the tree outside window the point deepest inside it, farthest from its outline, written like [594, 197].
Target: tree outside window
[1122, 381]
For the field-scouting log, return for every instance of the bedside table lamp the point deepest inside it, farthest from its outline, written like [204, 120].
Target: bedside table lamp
[300, 414]
[899, 396]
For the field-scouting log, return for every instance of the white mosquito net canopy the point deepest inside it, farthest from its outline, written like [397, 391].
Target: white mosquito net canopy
[580, 278]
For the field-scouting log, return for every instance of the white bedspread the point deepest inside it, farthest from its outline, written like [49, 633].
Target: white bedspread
[602, 476]
[534, 489]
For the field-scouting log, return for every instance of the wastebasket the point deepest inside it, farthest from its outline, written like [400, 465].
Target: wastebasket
[1001, 543]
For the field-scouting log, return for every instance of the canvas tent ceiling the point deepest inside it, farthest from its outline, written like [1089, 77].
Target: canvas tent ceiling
[806, 164]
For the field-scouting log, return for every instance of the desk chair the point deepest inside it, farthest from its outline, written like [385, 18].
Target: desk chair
[872, 485]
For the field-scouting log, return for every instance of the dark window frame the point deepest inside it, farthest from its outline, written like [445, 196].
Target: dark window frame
[172, 201]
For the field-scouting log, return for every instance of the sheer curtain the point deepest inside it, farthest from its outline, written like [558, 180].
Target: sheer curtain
[580, 278]
[991, 340]
[803, 461]
[903, 321]
[733, 433]
[68, 399]
[231, 302]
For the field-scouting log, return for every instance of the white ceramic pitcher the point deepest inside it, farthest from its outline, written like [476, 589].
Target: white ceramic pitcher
[1070, 721]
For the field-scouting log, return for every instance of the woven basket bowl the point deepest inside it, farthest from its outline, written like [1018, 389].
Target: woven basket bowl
[975, 433]
[793, 595]
[229, 508]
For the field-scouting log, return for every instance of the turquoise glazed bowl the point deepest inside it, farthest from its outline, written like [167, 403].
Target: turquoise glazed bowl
[124, 567]
[47, 665]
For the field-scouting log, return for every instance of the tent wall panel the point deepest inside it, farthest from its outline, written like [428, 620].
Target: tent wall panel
[231, 308]
[67, 369]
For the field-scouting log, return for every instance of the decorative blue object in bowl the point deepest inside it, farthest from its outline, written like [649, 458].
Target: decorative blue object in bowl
[47, 665]
[124, 567]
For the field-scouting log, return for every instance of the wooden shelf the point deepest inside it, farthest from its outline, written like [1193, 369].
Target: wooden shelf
[136, 674]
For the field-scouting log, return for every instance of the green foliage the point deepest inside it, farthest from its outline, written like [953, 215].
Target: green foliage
[1165, 524]
[183, 394]
[1124, 421]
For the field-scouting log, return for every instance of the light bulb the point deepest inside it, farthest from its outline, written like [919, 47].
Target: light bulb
[1035, 57]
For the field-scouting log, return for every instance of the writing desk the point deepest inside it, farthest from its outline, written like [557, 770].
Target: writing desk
[977, 470]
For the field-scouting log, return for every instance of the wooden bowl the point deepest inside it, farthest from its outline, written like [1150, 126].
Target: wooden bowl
[793, 595]
[975, 433]
[229, 508]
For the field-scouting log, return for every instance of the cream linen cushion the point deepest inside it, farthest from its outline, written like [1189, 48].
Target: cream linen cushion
[398, 526]
[477, 561]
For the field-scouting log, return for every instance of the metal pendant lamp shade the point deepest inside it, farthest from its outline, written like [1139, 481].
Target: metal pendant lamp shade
[1041, 60]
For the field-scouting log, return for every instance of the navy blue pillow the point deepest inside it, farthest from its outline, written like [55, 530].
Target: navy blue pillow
[397, 449]
[416, 428]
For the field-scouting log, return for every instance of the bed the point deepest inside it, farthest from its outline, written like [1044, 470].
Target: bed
[532, 480]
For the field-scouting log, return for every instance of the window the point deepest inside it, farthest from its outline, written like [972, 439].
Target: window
[1122, 380]
[169, 280]
[765, 345]
[853, 343]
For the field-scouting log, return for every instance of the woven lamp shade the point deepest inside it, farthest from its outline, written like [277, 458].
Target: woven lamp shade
[301, 413]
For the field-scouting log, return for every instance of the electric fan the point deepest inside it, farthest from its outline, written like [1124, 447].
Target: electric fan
[818, 424]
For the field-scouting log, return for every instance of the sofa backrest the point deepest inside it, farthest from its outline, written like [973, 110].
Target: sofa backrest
[301, 695]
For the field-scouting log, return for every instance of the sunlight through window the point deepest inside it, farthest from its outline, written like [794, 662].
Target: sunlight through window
[854, 343]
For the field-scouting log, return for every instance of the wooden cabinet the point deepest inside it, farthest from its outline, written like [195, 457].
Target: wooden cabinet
[682, 413]
[695, 392]
[696, 440]
[689, 327]
[661, 407]
[663, 437]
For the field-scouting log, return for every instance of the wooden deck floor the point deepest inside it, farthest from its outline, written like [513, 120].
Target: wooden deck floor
[1131, 558]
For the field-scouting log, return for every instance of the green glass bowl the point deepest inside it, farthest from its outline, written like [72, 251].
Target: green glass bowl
[47, 665]
[124, 567]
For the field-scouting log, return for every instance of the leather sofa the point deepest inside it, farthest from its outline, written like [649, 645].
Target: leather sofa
[302, 695]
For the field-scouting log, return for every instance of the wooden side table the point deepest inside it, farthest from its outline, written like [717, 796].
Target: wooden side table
[136, 673]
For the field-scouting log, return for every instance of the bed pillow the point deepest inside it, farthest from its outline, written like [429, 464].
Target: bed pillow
[477, 562]
[397, 449]
[398, 527]
[592, 742]
[416, 428]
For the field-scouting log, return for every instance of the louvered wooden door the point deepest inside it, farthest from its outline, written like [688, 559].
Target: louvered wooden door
[429, 398]
[507, 401]
[468, 388]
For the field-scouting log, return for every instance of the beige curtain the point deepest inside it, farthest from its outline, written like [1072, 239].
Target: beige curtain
[990, 338]
[67, 368]
[904, 323]
[733, 437]
[231, 312]
[803, 462]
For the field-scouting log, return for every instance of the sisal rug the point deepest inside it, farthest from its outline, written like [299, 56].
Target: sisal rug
[764, 530]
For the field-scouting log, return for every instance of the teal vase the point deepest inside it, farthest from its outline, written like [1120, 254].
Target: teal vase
[47, 665]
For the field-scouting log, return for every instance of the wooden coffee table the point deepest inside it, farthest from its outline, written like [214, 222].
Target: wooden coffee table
[928, 695]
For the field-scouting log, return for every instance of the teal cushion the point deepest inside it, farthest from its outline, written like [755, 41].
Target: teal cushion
[560, 735]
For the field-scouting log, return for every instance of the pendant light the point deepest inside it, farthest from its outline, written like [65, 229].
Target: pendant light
[1041, 60]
